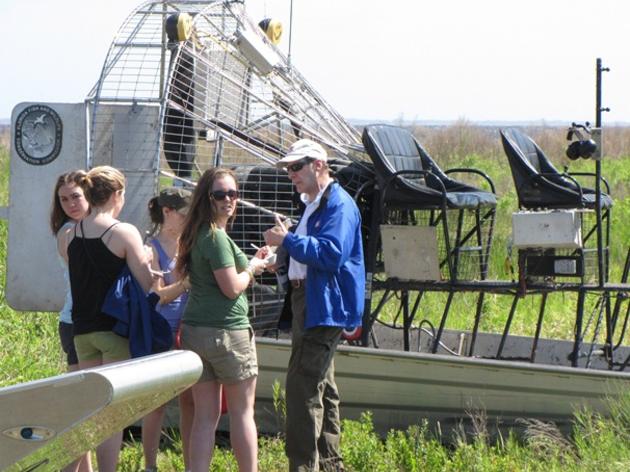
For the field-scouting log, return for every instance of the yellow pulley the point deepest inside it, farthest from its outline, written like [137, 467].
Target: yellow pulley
[272, 28]
[179, 26]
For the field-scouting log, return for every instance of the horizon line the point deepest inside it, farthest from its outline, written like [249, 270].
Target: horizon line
[445, 122]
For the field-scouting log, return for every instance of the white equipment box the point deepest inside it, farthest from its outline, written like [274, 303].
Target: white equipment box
[410, 252]
[559, 229]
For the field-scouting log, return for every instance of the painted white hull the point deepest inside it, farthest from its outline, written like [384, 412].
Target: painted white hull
[403, 388]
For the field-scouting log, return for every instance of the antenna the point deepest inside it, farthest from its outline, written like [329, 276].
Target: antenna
[290, 34]
[602, 271]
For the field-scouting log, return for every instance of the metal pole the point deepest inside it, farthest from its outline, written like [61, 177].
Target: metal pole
[601, 271]
[290, 33]
[541, 314]
[438, 337]
[404, 300]
[163, 50]
[577, 339]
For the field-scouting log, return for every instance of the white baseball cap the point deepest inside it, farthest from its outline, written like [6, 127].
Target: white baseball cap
[301, 149]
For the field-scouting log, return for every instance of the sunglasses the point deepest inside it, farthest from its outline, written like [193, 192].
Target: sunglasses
[221, 194]
[297, 166]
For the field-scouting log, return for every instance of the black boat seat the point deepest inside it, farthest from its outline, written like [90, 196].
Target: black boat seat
[538, 183]
[410, 178]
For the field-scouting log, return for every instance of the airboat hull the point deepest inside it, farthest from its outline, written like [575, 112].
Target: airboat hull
[404, 388]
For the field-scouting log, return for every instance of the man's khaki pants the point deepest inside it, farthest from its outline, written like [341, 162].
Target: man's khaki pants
[313, 427]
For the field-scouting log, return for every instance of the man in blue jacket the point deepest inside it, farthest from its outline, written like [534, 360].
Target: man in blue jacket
[327, 277]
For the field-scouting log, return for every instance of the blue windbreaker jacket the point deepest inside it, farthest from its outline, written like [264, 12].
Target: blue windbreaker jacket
[138, 320]
[333, 254]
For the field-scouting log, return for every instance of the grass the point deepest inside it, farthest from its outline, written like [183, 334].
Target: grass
[30, 350]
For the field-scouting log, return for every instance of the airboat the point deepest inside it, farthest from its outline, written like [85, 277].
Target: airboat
[188, 85]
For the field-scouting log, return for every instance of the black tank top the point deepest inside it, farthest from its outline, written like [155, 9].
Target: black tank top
[93, 269]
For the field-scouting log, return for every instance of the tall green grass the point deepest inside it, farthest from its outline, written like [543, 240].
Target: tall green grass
[595, 443]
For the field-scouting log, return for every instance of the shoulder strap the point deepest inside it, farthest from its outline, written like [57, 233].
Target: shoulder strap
[157, 245]
[163, 258]
[110, 227]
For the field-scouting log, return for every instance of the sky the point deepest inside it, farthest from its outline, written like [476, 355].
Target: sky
[411, 60]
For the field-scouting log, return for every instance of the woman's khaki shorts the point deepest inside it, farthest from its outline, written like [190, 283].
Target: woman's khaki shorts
[228, 356]
[101, 345]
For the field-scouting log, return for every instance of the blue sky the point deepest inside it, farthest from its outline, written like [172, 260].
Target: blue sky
[412, 59]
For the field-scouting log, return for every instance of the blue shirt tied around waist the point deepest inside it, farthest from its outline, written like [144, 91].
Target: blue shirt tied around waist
[147, 330]
[173, 310]
[333, 254]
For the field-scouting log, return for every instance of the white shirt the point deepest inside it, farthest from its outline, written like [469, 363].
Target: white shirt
[297, 270]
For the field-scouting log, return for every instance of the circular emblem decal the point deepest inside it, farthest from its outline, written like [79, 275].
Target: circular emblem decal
[38, 134]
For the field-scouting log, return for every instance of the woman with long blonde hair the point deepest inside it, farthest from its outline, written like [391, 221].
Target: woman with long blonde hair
[97, 249]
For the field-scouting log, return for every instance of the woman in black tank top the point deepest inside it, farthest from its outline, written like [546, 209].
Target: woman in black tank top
[68, 206]
[99, 248]
[93, 271]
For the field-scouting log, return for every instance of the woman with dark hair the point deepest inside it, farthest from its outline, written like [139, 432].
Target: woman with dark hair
[97, 249]
[215, 323]
[168, 211]
[69, 206]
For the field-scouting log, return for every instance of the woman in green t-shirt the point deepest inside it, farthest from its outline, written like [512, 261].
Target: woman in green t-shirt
[215, 324]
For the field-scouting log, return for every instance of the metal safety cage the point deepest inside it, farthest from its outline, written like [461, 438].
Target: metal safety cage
[229, 84]
[191, 85]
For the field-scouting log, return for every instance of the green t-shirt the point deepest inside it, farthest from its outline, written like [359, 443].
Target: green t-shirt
[207, 306]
